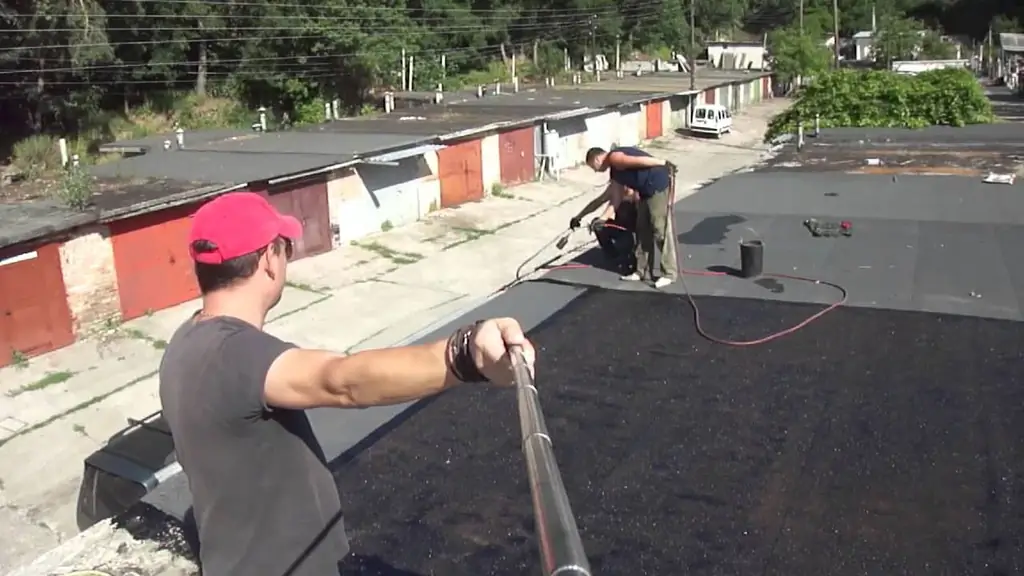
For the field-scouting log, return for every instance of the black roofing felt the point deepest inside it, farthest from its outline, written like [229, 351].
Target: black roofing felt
[872, 442]
[205, 167]
[27, 221]
[156, 141]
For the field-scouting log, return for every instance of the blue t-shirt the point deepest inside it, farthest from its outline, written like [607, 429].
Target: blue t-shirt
[646, 181]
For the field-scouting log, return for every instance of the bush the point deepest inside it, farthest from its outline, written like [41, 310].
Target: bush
[845, 98]
[310, 111]
[75, 188]
[36, 155]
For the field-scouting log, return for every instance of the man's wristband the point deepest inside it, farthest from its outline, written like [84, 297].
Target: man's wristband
[459, 356]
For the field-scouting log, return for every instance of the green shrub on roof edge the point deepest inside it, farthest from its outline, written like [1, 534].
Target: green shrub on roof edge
[884, 99]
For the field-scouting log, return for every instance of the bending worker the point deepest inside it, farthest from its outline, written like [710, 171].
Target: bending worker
[615, 228]
[651, 177]
[236, 397]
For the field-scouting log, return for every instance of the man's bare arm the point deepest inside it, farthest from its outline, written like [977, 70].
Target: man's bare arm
[301, 379]
[595, 203]
[623, 161]
[616, 193]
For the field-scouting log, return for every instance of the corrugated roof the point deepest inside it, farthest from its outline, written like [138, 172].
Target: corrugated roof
[1011, 42]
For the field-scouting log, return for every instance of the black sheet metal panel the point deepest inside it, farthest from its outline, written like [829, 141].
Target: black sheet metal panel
[340, 430]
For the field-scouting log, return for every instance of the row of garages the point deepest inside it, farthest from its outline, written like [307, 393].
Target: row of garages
[56, 289]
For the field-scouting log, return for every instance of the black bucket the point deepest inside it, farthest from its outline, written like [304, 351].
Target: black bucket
[751, 258]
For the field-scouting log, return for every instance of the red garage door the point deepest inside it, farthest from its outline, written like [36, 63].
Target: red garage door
[307, 201]
[709, 96]
[154, 269]
[516, 154]
[34, 314]
[461, 173]
[654, 117]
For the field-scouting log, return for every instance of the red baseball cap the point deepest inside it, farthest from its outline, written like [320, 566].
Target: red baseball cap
[237, 224]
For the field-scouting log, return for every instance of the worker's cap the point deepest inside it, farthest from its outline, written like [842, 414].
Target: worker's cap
[237, 224]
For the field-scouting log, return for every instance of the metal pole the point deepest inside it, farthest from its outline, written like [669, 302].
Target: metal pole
[693, 45]
[561, 548]
[835, 23]
[618, 55]
[593, 42]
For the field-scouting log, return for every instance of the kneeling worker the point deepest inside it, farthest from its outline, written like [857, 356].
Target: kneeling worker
[615, 227]
[651, 177]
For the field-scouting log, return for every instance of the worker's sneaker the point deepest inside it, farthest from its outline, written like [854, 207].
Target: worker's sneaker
[663, 281]
[634, 277]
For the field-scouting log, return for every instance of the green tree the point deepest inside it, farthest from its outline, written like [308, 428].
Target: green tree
[897, 39]
[933, 47]
[797, 54]
[881, 98]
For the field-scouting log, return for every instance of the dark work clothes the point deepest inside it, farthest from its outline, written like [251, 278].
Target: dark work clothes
[262, 494]
[646, 181]
[618, 244]
[625, 216]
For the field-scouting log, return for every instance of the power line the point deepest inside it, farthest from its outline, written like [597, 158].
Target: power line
[316, 67]
[259, 38]
[387, 32]
[381, 10]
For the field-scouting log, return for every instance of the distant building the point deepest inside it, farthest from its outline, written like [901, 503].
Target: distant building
[1010, 59]
[731, 55]
[863, 43]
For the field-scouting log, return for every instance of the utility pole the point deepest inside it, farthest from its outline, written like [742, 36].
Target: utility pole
[991, 55]
[618, 55]
[593, 42]
[693, 45]
[835, 24]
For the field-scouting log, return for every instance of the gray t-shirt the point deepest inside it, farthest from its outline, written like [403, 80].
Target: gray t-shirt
[265, 503]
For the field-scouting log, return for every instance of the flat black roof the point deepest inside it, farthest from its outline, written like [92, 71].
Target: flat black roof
[464, 111]
[972, 151]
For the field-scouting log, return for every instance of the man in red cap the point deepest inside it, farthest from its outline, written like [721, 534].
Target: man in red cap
[235, 398]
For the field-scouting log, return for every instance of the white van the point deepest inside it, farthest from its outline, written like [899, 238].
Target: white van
[711, 119]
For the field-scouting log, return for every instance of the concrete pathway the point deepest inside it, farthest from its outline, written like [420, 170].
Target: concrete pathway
[57, 409]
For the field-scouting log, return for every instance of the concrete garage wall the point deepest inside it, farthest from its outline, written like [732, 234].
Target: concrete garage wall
[602, 130]
[490, 154]
[370, 197]
[631, 122]
[362, 199]
[677, 112]
[666, 117]
[573, 141]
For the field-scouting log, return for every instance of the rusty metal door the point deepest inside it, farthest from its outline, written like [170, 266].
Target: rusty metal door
[307, 201]
[34, 313]
[461, 173]
[516, 156]
[709, 96]
[154, 269]
[654, 118]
